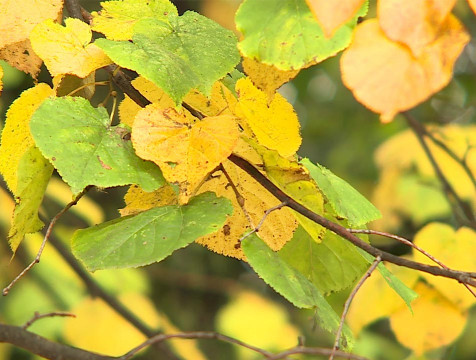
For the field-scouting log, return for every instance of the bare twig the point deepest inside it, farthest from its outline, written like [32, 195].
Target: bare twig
[349, 301]
[260, 224]
[38, 316]
[315, 351]
[53, 221]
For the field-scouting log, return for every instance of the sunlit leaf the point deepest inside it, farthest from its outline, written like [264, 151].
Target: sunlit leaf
[116, 20]
[186, 52]
[16, 136]
[344, 199]
[66, 49]
[286, 34]
[150, 236]
[291, 284]
[333, 14]
[416, 23]
[86, 150]
[402, 80]
[21, 56]
[276, 125]
[138, 200]
[186, 152]
[472, 3]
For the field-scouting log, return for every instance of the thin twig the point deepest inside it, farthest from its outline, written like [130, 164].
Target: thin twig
[38, 316]
[409, 243]
[260, 224]
[349, 301]
[315, 351]
[53, 221]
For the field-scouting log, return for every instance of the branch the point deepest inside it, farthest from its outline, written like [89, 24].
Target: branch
[461, 276]
[37, 316]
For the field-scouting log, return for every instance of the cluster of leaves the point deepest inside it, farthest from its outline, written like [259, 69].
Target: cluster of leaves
[173, 153]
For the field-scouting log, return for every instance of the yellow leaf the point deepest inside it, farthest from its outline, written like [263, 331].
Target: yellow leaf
[6, 208]
[472, 4]
[21, 56]
[116, 20]
[435, 321]
[258, 321]
[279, 225]
[67, 49]
[416, 23]
[1, 79]
[386, 77]
[186, 152]
[20, 17]
[276, 125]
[267, 77]
[68, 85]
[138, 200]
[333, 14]
[456, 250]
[213, 105]
[16, 136]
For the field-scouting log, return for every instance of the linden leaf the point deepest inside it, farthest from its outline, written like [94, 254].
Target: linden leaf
[185, 52]
[85, 149]
[150, 236]
[16, 136]
[332, 15]
[291, 284]
[435, 321]
[34, 172]
[19, 18]
[21, 56]
[472, 4]
[138, 200]
[416, 23]
[278, 226]
[186, 152]
[286, 34]
[455, 249]
[212, 105]
[401, 80]
[68, 85]
[116, 20]
[67, 49]
[267, 77]
[276, 125]
[344, 199]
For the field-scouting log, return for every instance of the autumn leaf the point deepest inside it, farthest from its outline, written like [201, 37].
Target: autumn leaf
[416, 23]
[67, 49]
[276, 125]
[116, 20]
[332, 15]
[138, 200]
[21, 56]
[387, 78]
[186, 152]
[472, 4]
[71, 85]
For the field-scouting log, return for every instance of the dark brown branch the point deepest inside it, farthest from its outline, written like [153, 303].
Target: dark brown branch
[461, 276]
[451, 194]
[74, 9]
[43, 347]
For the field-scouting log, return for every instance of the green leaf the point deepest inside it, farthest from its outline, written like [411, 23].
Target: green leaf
[79, 141]
[344, 199]
[188, 51]
[291, 284]
[34, 172]
[286, 34]
[407, 294]
[331, 265]
[150, 236]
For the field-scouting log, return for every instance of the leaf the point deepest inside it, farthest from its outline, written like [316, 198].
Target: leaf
[402, 80]
[186, 152]
[34, 172]
[68, 85]
[85, 149]
[138, 200]
[332, 15]
[19, 18]
[276, 125]
[414, 23]
[344, 199]
[472, 4]
[291, 284]
[67, 49]
[150, 236]
[266, 77]
[16, 136]
[116, 20]
[186, 52]
[286, 34]
[453, 248]
[435, 321]
[21, 56]
[331, 265]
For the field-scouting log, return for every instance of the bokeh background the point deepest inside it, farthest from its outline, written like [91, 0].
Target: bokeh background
[195, 289]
